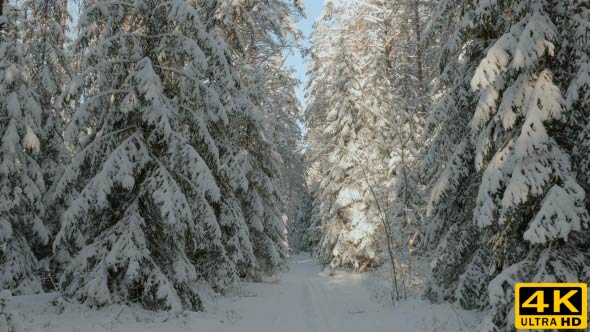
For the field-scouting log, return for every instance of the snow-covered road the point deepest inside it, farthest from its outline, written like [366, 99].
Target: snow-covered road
[304, 299]
[307, 299]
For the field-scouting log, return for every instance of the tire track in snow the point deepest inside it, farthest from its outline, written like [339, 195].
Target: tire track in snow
[322, 320]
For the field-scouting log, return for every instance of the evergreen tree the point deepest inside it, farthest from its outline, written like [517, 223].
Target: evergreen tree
[282, 127]
[410, 71]
[309, 223]
[45, 28]
[9, 321]
[574, 61]
[22, 182]
[140, 223]
[350, 91]
[527, 203]
[258, 32]
[49, 72]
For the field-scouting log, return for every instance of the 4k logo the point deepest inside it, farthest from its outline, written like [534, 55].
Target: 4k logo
[551, 306]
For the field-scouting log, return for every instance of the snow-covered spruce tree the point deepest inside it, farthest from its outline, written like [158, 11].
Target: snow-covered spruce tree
[574, 61]
[447, 233]
[45, 30]
[349, 90]
[49, 72]
[257, 32]
[315, 117]
[410, 71]
[243, 23]
[9, 321]
[264, 203]
[261, 202]
[21, 177]
[309, 220]
[529, 206]
[140, 224]
[281, 124]
[314, 165]
[271, 90]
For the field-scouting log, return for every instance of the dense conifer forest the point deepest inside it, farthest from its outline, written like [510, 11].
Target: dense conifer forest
[155, 153]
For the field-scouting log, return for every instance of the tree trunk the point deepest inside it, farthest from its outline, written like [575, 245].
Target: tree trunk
[418, 29]
[64, 21]
[1, 13]
[395, 294]
[420, 75]
[34, 18]
[363, 267]
[61, 41]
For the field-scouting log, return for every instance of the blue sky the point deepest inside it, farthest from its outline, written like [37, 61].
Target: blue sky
[295, 60]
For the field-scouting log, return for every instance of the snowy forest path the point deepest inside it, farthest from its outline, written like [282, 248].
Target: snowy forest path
[307, 299]
[303, 299]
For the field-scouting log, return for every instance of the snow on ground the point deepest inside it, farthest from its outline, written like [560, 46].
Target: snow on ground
[304, 299]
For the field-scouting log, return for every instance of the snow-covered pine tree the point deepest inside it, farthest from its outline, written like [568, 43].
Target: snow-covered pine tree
[257, 32]
[349, 93]
[410, 73]
[310, 222]
[21, 177]
[9, 321]
[261, 203]
[282, 119]
[529, 206]
[271, 90]
[249, 24]
[140, 224]
[314, 117]
[446, 165]
[574, 61]
[49, 70]
[460, 255]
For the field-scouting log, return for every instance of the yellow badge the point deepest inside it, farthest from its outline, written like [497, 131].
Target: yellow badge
[551, 306]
